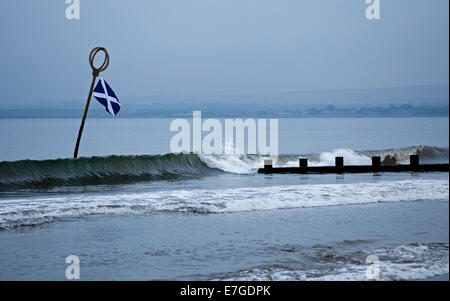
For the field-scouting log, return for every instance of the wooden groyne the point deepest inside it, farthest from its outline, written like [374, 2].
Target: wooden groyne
[339, 167]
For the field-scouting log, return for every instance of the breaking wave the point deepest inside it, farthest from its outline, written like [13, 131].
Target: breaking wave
[28, 211]
[129, 169]
[100, 170]
[405, 262]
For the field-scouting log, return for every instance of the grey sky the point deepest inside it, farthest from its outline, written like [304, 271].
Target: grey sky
[220, 46]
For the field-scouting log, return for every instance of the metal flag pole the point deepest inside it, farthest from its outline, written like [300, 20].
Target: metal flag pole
[95, 73]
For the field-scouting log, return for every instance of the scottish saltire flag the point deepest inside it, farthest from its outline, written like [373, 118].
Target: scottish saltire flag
[106, 96]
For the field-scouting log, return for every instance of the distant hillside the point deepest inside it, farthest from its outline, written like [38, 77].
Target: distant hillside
[432, 100]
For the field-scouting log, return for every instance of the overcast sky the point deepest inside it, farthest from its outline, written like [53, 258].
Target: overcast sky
[220, 46]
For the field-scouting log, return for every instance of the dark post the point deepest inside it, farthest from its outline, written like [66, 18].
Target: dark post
[303, 162]
[267, 164]
[414, 161]
[339, 162]
[95, 73]
[376, 161]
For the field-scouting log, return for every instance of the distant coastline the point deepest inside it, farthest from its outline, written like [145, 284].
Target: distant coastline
[224, 111]
[413, 101]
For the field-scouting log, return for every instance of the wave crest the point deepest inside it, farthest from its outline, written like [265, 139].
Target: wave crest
[100, 170]
[129, 169]
[25, 211]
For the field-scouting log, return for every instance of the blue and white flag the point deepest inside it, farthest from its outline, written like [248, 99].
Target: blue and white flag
[106, 96]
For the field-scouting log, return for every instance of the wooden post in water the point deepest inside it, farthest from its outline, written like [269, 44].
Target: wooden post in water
[376, 163]
[95, 73]
[303, 164]
[339, 162]
[414, 161]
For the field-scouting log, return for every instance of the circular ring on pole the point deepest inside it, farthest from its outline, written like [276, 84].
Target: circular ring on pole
[92, 57]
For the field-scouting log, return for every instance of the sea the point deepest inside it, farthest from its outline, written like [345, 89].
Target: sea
[129, 209]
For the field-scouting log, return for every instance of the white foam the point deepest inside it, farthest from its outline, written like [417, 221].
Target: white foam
[245, 164]
[232, 163]
[327, 159]
[350, 158]
[411, 262]
[32, 210]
